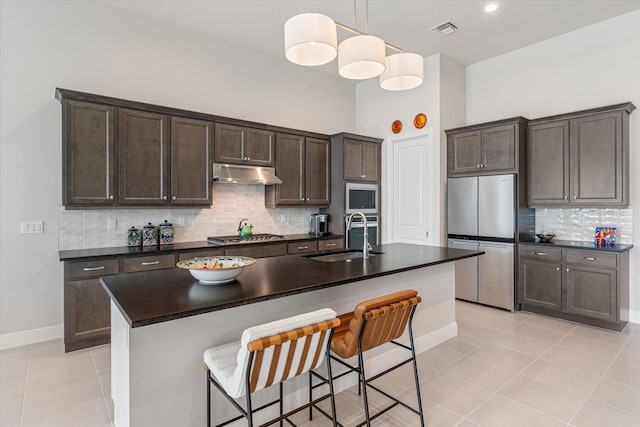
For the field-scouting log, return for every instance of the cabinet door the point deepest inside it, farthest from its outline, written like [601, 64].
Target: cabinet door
[290, 169]
[591, 292]
[464, 150]
[499, 148]
[89, 154]
[317, 171]
[548, 163]
[144, 158]
[259, 148]
[228, 144]
[541, 284]
[191, 144]
[370, 161]
[596, 160]
[352, 160]
[87, 314]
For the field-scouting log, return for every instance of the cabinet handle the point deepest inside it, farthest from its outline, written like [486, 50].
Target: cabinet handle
[164, 197]
[557, 268]
[111, 197]
[363, 176]
[93, 268]
[303, 247]
[151, 263]
[565, 197]
[575, 197]
[330, 245]
[590, 258]
[173, 198]
[541, 253]
[567, 270]
[482, 165]
[307, 199]
[248, 158]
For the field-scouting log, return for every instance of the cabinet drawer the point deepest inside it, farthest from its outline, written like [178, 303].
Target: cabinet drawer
[151, 262]
[302, 247]
[93, 268]
[540, 253]
[258, 251]
[592, 258]
[199, 254]
[327, 245]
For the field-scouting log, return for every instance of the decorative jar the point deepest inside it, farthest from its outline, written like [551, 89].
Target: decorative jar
[166, 233]
[133, 237]
[150, 235]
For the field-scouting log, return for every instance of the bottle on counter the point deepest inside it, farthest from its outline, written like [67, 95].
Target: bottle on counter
[166, 233]
[133, 237]
[149, 235]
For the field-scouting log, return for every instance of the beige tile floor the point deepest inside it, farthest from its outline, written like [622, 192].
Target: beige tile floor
[503, 369]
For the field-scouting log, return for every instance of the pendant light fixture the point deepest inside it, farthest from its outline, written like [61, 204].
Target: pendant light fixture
[310, 39]
[403, 71]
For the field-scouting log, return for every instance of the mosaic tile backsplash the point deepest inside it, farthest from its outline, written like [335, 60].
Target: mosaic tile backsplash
[100, 228]
[580, 224]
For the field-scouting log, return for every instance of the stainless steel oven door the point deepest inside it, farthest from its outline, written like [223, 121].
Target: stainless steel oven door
[355, 235]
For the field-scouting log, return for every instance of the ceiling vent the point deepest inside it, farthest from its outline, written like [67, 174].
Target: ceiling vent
[445, 28]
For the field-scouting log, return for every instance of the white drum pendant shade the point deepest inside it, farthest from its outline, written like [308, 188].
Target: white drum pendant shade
[403, 71]
[310, 39]
[361, 57]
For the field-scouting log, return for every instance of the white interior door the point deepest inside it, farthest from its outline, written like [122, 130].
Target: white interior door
[412, 191]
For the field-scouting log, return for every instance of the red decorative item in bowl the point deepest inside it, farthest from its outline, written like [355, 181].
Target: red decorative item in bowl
[396, 126]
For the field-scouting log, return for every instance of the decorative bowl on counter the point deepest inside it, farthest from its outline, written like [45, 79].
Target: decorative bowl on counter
[545, 237]
[216, 270]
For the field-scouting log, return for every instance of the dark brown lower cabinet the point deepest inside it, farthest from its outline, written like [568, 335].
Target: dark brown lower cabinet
[258, 251]
[586, 286]
[87, 315]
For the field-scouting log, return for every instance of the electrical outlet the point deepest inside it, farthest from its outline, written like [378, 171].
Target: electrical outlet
[30, 227]
[283, 218]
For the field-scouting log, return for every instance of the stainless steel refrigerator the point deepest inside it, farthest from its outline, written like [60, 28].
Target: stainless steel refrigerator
[481, 213]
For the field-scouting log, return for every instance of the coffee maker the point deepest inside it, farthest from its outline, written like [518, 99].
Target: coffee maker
[319, 224]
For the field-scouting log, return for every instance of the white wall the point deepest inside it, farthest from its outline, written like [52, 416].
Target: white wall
[92, 47]
[595, 66]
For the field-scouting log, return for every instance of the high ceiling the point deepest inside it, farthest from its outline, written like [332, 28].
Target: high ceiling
[258, 24]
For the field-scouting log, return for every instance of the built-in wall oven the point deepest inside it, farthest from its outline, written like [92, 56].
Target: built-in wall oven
[355, 234]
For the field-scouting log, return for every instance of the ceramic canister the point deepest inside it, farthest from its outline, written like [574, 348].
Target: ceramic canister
[166, 233]
[133, 237]
[150, 235]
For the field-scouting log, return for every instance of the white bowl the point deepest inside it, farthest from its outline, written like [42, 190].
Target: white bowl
[216, 270]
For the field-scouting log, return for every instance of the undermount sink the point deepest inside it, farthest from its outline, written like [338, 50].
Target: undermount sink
[342, 256]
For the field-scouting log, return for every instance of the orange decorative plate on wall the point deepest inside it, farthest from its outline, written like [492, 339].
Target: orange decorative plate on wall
[420, 120]
[396, 126]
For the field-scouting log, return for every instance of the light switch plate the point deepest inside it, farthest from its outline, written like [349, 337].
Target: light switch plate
[30, 227]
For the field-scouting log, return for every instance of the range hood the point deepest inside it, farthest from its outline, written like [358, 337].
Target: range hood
[239, 174]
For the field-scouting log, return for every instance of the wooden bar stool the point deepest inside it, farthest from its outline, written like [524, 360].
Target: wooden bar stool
[373, 323]
[269, 354]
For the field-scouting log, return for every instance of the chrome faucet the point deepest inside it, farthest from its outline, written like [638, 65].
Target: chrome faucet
[365, 243]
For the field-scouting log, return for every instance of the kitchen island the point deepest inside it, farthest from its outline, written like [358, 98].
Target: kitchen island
[162, 321]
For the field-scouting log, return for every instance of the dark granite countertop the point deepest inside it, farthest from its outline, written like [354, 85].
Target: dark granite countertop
[577, 244]
[157, 296]
[80, 254]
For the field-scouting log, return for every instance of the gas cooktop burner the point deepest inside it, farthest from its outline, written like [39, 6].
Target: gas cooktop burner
[256, 238]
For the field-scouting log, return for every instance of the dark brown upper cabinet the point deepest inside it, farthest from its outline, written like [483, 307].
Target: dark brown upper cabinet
[191, 161]
[580, 159]
[302, 163]
[361, 161]
[143, 145]
[244, 145]
[89, 154]
[486, 148]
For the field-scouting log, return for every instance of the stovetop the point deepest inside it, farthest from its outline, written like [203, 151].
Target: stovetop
[256, 238]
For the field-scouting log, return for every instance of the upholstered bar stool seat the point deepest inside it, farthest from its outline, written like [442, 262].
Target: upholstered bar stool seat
[371, 324]
[270, 354]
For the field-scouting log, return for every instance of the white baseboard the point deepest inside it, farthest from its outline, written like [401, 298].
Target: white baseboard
[634, 316]
[17, 339]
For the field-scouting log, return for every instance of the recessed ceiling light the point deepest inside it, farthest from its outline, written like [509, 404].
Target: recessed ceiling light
[491, 7]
